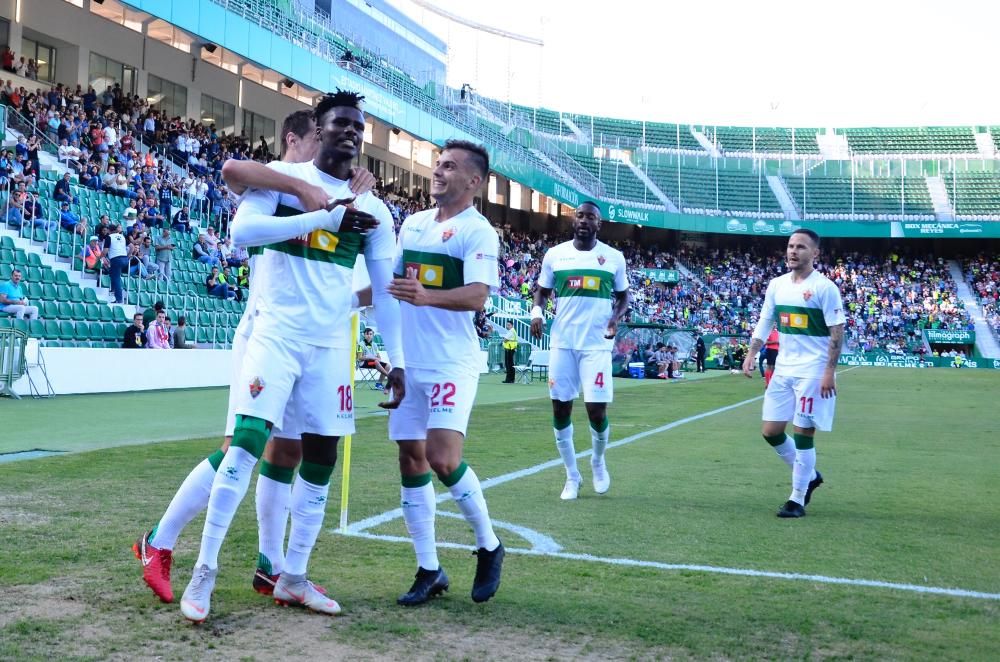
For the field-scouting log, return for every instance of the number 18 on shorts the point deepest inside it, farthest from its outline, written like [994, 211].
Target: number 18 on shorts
[799, 400]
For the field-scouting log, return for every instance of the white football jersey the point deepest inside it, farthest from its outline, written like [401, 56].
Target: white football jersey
[445, 255]
[584, 284]
[804, 313]
[303, 286]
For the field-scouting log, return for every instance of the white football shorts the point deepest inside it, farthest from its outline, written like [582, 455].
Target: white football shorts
[571, 368]
[289, 428]
[276, 372]
[798, 399]
[434, 399]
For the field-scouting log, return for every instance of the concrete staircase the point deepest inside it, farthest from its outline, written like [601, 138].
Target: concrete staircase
[657, 191]
[986, 342]
[577, 131]
[984, 143]
[705, 142]
[780, 190]
[943, 210]
[832, 146]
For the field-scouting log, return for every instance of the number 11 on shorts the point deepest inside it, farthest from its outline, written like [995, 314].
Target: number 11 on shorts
[805, 402]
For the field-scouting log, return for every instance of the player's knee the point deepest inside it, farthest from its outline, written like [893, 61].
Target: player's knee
[251, 434]
[283, 452]
[561, 409]
[319, 449]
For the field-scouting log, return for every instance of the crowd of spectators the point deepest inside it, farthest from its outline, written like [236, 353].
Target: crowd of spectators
[983, 275]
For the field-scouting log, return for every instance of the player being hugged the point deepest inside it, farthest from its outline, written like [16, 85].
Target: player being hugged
[590, 284]
[297, 351]
[809, 314]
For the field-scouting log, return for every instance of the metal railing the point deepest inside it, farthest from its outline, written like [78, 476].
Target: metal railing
[12, 363]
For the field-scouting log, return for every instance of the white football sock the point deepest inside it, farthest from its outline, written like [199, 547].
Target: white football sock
[230, 486]
[308, 510]
[600, 443]
[468, 495]
[273, 498]
[191, 498]
[564, 444]
[419, 506]
[803, 471]
[786, 451]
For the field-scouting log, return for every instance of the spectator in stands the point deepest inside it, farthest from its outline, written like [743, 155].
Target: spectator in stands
[368, 357]
[67, 219]
[227, 279]
[164, 247]
[62, 191]
[211, 239]
[180, 334]
[149, 313]
[226, 252]
[237, 260]
[182, 220]
[158, 335]
[12, 298]
[69, 154]
[135, 335]
[214, 287]
[147, 257]
[32, 70]
[200, 251]
[116, 250]
[93, 257]
[7, 59]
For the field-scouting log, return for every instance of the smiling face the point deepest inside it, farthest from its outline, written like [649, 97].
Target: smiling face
[454, 176]
[341, 132]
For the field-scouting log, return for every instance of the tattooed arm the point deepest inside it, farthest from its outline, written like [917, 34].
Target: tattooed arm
[829, 385]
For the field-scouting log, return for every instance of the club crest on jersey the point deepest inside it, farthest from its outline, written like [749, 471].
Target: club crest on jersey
[807, 295]
[256, 386]
[447, 234]
[601, 259]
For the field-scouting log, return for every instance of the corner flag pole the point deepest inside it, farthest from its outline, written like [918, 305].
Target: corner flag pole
[345, 482]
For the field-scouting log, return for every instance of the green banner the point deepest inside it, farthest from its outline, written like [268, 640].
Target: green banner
[662, 275]
[885, 360]
[947, 230]
[950, 337]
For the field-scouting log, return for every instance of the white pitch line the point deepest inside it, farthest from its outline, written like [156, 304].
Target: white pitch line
[740, 572]
[371, 522]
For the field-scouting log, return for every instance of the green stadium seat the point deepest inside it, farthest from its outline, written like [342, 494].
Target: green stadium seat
[35, 291]
[6, 322]
[82, 331]
[49, 309]
[62, 292]
[34, 260]
[75, 293]
[119, 315]
[109, 332]
[200, 336]
[105, 313]
[89, 296]
[62, 278]
[33, 275]
[79, 311]
[93, 311]
[48, 275]
[51, 329]
[5, 271]
[36, 328]
[7, 243]
[49, 292]
[65, 310]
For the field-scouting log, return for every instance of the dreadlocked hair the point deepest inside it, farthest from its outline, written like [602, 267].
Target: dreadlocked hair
[335, 99]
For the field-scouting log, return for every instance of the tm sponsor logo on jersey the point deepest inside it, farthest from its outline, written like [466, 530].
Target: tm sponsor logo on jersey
[319, 239]
[583, 283]
[794, 320]
[427, 274]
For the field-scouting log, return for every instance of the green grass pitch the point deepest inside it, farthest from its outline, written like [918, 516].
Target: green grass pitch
[683, 558]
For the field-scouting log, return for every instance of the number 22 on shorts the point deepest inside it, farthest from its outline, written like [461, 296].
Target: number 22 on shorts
[446, 393]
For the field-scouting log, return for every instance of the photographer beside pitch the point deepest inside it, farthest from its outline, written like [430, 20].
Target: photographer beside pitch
[809, 313]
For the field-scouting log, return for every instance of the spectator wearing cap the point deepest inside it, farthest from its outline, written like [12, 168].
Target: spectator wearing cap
[67, 219]
[93, 256]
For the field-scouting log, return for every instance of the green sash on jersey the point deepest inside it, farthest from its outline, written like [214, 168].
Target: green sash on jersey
[436, 271]
[802, 321]
[583, 283]
[321, 245]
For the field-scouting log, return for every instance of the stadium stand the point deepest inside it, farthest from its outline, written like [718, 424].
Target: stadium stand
[750, 140]
[619, 180]
[921, 140]
[711, 191]
[866, 198]
[975, 195]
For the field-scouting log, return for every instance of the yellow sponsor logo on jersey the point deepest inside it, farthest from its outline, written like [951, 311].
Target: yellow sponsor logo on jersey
[795, 320]
[323, 241]
[427, 274]
[584, 283]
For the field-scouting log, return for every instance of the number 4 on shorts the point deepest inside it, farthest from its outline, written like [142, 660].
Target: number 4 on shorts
[599, 380]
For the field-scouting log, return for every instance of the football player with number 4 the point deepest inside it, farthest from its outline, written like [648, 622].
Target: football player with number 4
[809, 313]
[590, 284]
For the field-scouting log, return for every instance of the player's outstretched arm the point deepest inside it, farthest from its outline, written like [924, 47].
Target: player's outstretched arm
[542, 295]
[243, 175]
[390, 325]
[256, 225]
